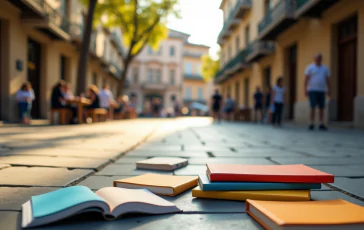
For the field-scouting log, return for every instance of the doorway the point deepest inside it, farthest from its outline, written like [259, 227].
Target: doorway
[292, 79]
[267, 78]
[237, 93]
[34, 52]
[347, 50]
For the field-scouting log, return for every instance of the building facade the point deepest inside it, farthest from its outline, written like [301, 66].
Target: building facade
[40, 43]
[263, 40]
[162, 73]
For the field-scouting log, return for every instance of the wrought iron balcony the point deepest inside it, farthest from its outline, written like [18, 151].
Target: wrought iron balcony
[313, 8]
[193, 76]
[76, 32]
[277, 20]
[115, 70]
[155, 86]
[241, 7]
[235, 65]
[192, 54]
[259, 49]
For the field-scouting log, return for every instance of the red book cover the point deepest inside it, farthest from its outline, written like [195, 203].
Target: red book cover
[267, 173]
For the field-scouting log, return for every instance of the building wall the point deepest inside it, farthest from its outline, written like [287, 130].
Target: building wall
[311, 35]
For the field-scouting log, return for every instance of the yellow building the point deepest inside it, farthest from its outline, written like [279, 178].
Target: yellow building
[195, 89]
[262, 40]
[40, 43]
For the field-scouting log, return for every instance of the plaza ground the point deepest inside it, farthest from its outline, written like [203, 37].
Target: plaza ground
[39, 159]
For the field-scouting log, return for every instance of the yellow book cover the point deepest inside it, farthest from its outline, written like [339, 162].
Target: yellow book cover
[277, 195]
[167, 185]
[327, 214]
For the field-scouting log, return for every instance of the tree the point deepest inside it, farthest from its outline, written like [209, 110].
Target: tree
[83, 59]
[142, 23]
[209, 67]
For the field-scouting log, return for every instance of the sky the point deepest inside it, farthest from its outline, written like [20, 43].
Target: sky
[202, 19]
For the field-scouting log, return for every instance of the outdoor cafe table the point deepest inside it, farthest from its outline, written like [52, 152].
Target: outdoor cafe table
[80, 102]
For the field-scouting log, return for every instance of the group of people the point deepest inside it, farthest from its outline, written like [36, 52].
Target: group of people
[62, 97]
[269, 105]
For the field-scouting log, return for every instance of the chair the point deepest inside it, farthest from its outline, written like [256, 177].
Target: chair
[64, 115]
[97, 115]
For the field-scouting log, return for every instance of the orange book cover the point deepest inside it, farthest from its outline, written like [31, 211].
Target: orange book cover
[167, 185]
[305, 213]
[267, 173]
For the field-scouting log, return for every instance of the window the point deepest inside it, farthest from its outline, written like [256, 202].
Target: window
[150, 75]
[135, 75]
[172, 73]
[94, 79]
[157, 76]
[188, 93]
[63, 67]
[171, 51]
[150, 50]
[198, 69]
[200, 94]
[188, 68]
[267, 5]
[247, 35]
[237, 44]
[267, 77]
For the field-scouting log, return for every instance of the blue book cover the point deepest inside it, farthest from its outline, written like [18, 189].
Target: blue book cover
[206, 185]
[56, 201]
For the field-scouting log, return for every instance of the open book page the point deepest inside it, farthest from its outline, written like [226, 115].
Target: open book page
[117, 197]
[53, 202]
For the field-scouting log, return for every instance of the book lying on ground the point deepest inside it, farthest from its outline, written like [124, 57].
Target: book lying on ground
[276, 195]
[162, 163]
[167, 185]
[206, 185]
[267, 173]
[111, 202]
[313, 215]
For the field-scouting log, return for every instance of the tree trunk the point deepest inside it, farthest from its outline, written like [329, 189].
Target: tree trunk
[83, 59]
[121, 85]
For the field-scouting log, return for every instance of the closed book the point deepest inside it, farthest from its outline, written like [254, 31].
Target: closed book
[267, 173]
[162, 163]
[167, 185]
[207, 185]
[313, 215]
[110, 202]
[276, 195]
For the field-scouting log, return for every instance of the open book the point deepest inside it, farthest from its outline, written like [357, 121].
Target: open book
[111, 202]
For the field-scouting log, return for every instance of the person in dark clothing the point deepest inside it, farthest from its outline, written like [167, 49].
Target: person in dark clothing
[57, 99]
[267, 105]
[258, 106]
[93, 95]
[278, 100]
[216, 105]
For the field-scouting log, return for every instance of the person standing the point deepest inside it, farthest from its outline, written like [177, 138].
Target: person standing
[258, 104]
[25, 96]
[278, 101]
[216, 106]
[317, 84]
[106, 97]
[267, 105]
[229, 107]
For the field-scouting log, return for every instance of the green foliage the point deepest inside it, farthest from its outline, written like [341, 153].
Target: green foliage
[209, 67]
[142, 21]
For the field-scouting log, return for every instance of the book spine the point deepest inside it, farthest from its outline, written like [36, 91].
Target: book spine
[271, 178]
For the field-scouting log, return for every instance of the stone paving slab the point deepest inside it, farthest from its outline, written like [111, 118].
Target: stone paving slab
[333, 195]
[189, 204]
[11, 199]
[3, 166]
[320, 161]
[130, 159]
[21, 144]
[191, 170]
[166, 154]
[99, 147]
[342, 170]
[257, 153]
[90, 221]
[98, 182]
[65, 152]
[223, 160]
[126, 170]
[169, 148]
[40, 176]
[353, 186]
[66, 162]
[194, 148]
[329, 152]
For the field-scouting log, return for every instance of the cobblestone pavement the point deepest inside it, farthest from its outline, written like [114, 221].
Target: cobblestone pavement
[35, 160]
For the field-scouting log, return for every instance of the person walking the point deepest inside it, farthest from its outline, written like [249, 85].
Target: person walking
[267, 105]
[317, 84]
[25, 97]
[229, 107]
[216, 106]
[278, 101]
[258, 104]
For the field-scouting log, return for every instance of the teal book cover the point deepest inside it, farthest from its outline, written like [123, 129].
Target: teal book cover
[206, 185]
[53, 202]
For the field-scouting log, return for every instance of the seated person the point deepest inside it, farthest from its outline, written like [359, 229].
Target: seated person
[58, 100]
[121, 105]
[68, 95]
[93, 95]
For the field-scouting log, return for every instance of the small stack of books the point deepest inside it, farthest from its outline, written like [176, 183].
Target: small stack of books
[260, 182]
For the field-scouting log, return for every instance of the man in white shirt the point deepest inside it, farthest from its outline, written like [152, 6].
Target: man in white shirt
[317, 84]
[106, 97]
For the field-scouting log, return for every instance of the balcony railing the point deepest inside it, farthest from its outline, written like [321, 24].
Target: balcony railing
[117, 39]
[115, 70]
[192, 54]
[274, 22]
[193, 76]
[258, 49]
[55, 17]
[233, 66]
[312, 8]
[76, 31]
[240, 8]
